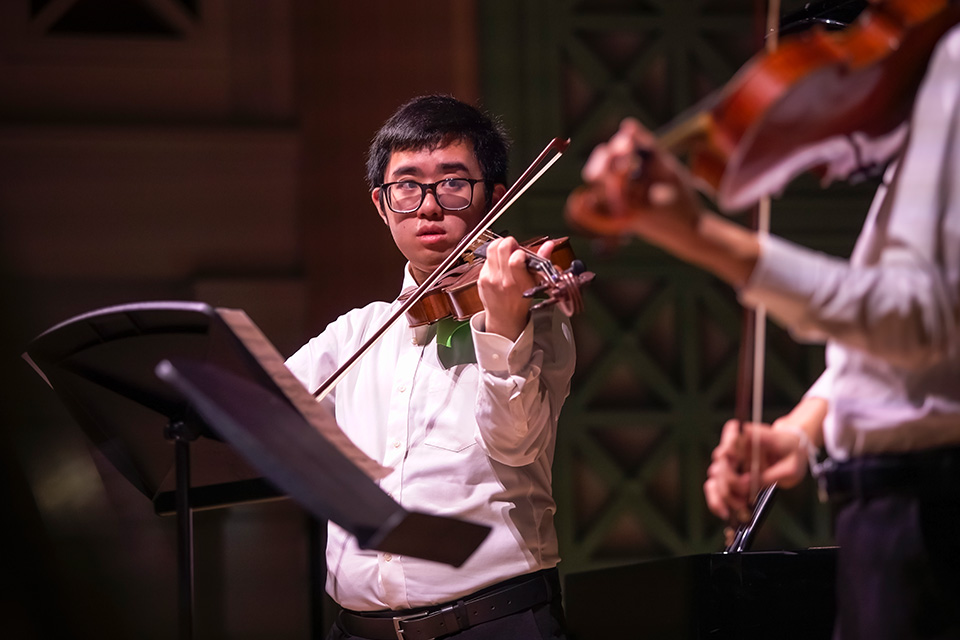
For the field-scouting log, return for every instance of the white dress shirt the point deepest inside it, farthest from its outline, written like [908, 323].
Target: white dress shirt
[891, 314]
[475, 442]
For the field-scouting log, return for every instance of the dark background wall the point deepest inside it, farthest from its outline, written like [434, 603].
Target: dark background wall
[185, 150]
[213, 150]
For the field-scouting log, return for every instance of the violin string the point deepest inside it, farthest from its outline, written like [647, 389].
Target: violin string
[490, 236]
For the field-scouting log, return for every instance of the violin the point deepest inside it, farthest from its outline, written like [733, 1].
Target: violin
[457, 295]
[814, 103]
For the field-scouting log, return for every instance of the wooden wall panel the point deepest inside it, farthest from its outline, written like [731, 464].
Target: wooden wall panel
[359, 62]
[154, 203]
[185, 149]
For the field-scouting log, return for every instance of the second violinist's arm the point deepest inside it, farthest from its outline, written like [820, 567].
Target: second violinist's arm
[663, 208]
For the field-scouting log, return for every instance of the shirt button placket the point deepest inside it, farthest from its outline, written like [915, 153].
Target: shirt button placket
[390, 565]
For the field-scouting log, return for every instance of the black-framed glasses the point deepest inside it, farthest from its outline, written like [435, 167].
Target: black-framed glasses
[452, 194]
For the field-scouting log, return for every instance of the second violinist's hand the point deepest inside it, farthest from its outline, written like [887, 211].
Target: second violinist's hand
[778, 453]
[503, 279]
[645, 190]
[636, 188]
[727, 488]
[731, 484]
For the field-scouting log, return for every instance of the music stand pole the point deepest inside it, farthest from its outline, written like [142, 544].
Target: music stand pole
[182, 435]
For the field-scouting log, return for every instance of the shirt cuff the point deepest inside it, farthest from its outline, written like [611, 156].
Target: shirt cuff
[499, 355]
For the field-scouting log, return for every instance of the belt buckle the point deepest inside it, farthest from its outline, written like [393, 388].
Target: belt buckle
[458, 607]
[398, 629]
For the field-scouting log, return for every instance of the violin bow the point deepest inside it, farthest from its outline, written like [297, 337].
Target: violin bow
[753, 352]
[550, 154]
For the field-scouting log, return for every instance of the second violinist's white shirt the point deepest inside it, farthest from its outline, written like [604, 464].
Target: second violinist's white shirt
[891, 314]
[474, 442]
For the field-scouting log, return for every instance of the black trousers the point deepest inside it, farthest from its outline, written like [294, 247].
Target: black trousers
[898, 568]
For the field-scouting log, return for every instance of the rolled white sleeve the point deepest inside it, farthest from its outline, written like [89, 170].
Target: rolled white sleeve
[900, 309]
[523, 386]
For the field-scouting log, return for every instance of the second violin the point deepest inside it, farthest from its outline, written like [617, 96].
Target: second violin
[831, 102]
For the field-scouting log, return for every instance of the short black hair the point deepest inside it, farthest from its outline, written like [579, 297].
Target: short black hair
[433, 121]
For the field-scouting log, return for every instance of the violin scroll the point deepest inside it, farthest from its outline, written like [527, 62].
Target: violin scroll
[563, 289]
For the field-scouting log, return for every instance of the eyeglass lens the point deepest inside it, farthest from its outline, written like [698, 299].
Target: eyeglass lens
[452, 194]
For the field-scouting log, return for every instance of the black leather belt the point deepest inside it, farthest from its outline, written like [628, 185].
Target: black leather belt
[933, 473]
[489, 604]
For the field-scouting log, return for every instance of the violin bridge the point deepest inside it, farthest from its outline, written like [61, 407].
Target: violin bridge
[469, 254]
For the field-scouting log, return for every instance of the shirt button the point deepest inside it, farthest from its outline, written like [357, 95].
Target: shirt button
[396, 444]
[496, 356]
[388, 557]
[401, 388]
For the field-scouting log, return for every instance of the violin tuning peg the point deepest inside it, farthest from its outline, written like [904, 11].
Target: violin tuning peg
[577, 267]
[546, 302]
[535, 291]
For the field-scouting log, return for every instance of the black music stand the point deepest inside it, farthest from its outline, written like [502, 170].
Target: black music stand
[138, 375]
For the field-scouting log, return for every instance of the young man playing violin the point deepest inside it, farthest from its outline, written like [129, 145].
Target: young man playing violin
[887, 408]
[469, 435]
